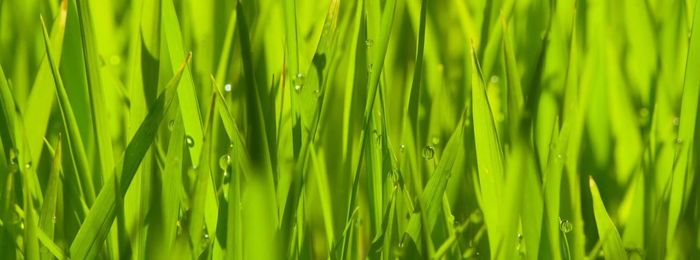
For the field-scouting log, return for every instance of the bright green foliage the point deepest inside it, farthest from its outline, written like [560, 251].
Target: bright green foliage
[349, 129]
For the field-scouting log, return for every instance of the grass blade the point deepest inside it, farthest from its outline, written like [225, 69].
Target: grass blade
[612, 244]
[94, 230]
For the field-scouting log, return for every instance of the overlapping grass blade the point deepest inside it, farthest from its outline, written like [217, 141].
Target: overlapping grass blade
[76, 146]
[607, 232]
[489, 155]
[95, 87]
[97, 223]
[51, 208]
[41, 98]
[189, 107]
[686, 134]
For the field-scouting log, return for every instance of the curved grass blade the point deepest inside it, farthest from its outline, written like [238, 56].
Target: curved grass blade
[189, 107]
[432, 196]
[41, 99]
[94, 230]
[240, 165]
[489, 156]
[312, 97]
[53, 248]
[612, 243]
[682, 170]
[199, 235]
[51, 209]
[70, 125]
[162, 235]
[95, 87]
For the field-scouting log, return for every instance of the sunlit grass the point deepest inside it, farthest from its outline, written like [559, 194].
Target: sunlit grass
[379, 129]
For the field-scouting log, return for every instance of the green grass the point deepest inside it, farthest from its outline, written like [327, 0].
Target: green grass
[338, 129]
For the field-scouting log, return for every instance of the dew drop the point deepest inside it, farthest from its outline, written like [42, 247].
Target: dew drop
[190, 141]
[520, 236]
[369, 43]
[171, 125]
[299, 82]
[179, 228]
[494, 79]
[676, 121]
[402, 148]
[476, 217]
[566, 226]
[227, 177]
[225, 161]
[21, 224]
[428, 152]
[369, 67]
[53, 219]
[13, 156]
[28, 165]
[205, 234]
[227, 87]
[436, 140]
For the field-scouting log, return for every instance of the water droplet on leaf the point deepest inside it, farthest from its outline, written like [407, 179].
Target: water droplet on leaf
[227, 177]
[225, 161]
[428, 152]
[566, 226]
[299, 82]
[13, 156]
[190, 141]
[476, 217]
[227, 87]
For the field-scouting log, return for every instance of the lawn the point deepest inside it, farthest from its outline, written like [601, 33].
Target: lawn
[349, 129]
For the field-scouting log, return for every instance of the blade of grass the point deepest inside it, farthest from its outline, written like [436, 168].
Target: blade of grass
[189, 107]
[489, 156]
[70, 126]
[612, 244]
[431, 198]
[51, 207]
[95, 87]
[96, 226]
[199, 235]
[31, 242]
[54, 249]
[41, 99]
[686, 132]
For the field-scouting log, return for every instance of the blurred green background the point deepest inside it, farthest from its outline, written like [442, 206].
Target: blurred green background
[381, 129]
